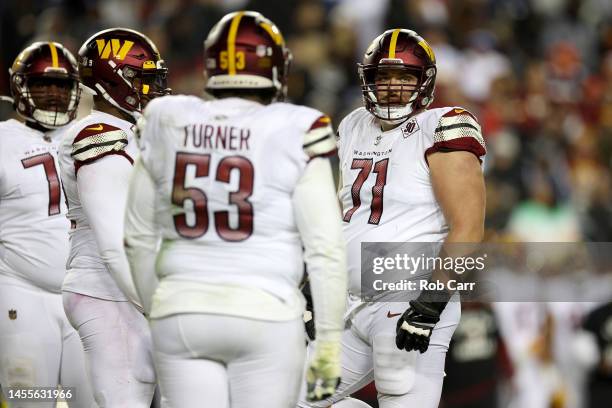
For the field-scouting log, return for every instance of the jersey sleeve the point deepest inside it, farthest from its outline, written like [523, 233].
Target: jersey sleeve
[151, 132]
[458, 130]
[141, 234]
[96, 141]
[319, 139]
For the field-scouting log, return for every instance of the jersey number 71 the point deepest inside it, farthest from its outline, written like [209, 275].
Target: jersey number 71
[365, 168]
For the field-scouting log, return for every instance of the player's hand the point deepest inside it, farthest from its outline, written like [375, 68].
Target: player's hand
[323, 374]
[415, 326]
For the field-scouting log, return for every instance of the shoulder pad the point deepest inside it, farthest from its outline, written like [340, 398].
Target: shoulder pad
[350, 121]
[319, 139]
[458, 129]
[98, 140]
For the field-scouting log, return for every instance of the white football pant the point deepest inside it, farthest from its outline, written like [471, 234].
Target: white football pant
[402, 379]
[38, 346]
[117, 345]
[216, 361]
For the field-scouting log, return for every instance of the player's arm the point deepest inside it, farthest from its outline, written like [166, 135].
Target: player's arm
[318, 218]
[458, 184]
[141, 233]
[103, 172]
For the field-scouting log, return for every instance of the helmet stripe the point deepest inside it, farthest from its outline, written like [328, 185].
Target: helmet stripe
[428, 50]
[54, 60]
[393, 42]
[231, 43]
[276, 35]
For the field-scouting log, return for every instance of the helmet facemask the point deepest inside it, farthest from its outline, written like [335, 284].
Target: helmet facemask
[393, 91]
[50, 101]
[147, 83]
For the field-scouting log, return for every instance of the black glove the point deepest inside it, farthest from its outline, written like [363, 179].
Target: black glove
[309, 324]
[415, 326]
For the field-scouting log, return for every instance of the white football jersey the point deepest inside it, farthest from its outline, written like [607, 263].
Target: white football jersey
[33, 226]
[386, 191]
[87, 140]
[225, 172]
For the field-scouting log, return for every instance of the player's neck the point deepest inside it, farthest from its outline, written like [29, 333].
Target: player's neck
[103, 106]
[36, 126]
[254, 98]
[386, 126]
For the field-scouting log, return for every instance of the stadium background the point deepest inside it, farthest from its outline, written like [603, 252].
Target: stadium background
[537, 74]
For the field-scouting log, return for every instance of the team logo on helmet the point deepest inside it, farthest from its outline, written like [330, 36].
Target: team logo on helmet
[124, 67]
[118, 49]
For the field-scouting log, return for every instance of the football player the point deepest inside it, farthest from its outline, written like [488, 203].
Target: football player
[235, 186]
[38, 346]
[408, 174]
[124, 70]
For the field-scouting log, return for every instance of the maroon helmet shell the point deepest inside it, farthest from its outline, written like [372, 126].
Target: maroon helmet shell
[124, 67]
[405, 50]
[245, 50]
[44, 60]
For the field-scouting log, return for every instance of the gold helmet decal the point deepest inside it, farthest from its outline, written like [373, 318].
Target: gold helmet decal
[119, 50]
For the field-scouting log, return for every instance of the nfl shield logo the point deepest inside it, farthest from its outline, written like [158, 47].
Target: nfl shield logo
[12, 314]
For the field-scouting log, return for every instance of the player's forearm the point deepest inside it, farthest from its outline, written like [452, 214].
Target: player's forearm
[318, 220]
[466, 233]
[141, 237]
[141, 261]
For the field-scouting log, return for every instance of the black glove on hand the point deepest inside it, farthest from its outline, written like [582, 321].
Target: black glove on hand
[309, 324]
[415, 326]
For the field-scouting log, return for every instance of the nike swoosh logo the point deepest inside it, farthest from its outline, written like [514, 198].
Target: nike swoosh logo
[459, 110]
[390, 315]
[99, 127]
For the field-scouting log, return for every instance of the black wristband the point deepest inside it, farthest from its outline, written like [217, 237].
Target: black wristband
[436, 299]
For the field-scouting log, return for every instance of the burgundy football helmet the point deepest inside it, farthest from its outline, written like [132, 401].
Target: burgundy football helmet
[245, 50]
[45, 84]
[398, 53]
[124, 67]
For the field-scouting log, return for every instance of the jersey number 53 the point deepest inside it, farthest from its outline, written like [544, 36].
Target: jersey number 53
[239, 198]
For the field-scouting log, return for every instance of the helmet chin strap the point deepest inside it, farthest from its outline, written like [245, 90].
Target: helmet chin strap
[394, 122]
[393, 116]
[110, 100]
[386, 124]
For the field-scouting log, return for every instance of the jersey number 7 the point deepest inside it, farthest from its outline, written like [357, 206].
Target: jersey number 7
[53, 181]
[239, 198]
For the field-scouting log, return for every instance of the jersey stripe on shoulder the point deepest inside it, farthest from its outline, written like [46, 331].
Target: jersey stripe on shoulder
[96, 141]
[458, 129]
[320, 139]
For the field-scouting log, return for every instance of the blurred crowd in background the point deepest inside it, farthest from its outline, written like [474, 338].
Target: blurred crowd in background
[537, 74]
